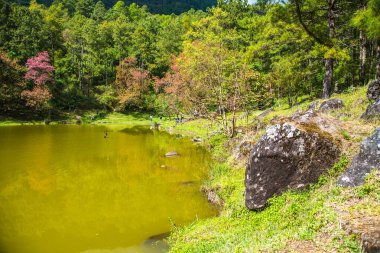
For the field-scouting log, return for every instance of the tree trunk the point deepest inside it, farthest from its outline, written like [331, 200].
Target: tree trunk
[52, 49]
[329, 64]
[378, 60]
[362, 58]
[233, 121]
[106, 69]
[353, 73]
[371, 50]
[290, 100]
[327, 81]
[81, 66]
[225, 120]
[53, 56]
[233, 124]
[90, 84]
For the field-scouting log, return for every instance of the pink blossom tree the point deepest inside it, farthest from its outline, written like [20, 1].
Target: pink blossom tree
[40, 73]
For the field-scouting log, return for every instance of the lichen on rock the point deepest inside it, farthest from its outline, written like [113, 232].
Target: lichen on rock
[330, 105]
[367, 160]
[373, 92]
[287, 156]
[373, 111]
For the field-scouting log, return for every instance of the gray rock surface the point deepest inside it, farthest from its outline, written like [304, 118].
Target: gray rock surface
[171, 154]
[373, 111]
[373, 92]
[287, 156]
[367, 160]
[243, 149]
[313, 106]
[330, 105]
[304, 116]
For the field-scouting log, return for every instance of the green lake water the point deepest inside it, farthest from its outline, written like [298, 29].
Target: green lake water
[69, 189]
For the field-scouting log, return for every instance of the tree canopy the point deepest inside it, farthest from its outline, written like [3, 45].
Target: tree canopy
[233, 57]
[154, 6]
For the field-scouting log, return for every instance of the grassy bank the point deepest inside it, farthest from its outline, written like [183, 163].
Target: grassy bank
[86, 117]
[297, 221]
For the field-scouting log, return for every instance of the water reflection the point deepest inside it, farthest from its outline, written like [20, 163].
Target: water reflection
[67, 189]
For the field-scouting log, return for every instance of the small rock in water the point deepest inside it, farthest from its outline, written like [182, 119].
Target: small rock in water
[188, 183]
[168, 168]
[197, 140]
[171, 154]
[158, 242]
[159, 237]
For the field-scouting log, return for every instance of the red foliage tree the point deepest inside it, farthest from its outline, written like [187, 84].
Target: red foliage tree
[171, 82]
[172, 87]
[40, 73]
[132, 83]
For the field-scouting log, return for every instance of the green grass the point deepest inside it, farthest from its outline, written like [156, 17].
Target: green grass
[305, 216]
[296, 221]
[13, 122]
[120, 119]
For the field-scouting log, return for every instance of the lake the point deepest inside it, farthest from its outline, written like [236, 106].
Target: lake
[66, 188]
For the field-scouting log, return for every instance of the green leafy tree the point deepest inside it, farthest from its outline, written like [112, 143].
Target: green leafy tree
[99, 12]
[27, 35]
[324, 14]
[5, 11]
[368, 19]
[11, 85]
[84, 7]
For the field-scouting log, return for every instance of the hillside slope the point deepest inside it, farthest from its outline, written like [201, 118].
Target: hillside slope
[334, 219]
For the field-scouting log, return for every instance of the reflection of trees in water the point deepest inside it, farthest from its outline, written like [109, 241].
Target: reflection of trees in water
[111, 192]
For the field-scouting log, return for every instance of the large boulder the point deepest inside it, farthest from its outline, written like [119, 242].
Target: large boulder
[330, 105]
[287, 156]
[373, 111]
[373, 92]
[367, 160]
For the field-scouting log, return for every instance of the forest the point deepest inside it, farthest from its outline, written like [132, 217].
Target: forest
[234, 57]
[154, 6]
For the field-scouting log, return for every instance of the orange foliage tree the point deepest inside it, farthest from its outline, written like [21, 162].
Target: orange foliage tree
[132, 84]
